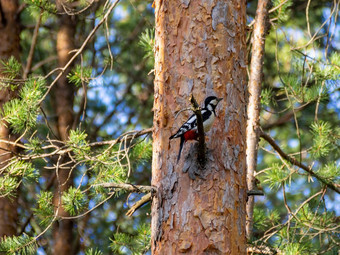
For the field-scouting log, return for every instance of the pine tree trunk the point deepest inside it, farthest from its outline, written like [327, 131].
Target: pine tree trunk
[200, 49]
[9, 46]
[254, 104]
[64, 97]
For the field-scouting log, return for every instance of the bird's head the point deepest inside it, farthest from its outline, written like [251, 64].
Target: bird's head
[211, 102]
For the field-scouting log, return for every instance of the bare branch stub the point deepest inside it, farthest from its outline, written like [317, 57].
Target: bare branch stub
[201, 139]
[255, 192]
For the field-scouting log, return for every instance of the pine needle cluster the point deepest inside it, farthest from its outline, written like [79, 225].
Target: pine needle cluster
[136, 244]
[21, 113]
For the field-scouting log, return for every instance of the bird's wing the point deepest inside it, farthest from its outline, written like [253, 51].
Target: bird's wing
[191, 123]
[188, 125]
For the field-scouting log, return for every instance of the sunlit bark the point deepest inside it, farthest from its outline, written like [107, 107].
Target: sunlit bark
[200, 49]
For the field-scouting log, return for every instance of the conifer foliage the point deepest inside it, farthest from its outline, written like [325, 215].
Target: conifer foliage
[109, 148]
[298, 167]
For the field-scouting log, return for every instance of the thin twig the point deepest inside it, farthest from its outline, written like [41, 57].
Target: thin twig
[277, 7]
[88, 38]
[284, 119]
[129, 134]
[43, 62]
[146, 198]
[33, 44]
[314, 37]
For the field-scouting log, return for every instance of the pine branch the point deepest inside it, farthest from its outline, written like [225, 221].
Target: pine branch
[130, 135]
[201, 146]
[63, 149]
[284, 119]
[128, 187]
[295, 162]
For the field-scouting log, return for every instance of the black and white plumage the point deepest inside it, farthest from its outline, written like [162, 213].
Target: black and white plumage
[188, 131]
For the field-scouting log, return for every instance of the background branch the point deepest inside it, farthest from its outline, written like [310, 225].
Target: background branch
[33, 44]
[128, 187]
[254, 102]
[295, 162]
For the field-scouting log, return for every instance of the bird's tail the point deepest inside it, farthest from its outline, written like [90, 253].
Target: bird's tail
[180, 148]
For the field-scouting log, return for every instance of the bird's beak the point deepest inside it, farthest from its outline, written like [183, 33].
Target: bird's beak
[219, 99]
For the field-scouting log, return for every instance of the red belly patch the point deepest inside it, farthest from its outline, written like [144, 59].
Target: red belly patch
[190, 135]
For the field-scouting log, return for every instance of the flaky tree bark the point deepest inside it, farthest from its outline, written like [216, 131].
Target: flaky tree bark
[200, 49]
[9, 46]
[64, 97]
[254, 102]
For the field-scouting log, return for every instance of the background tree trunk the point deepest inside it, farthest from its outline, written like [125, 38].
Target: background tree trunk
[64, 97]
[254, 103]
[200, 49]
[9, 46]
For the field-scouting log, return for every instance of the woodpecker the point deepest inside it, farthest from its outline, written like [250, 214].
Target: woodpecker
[188, 131]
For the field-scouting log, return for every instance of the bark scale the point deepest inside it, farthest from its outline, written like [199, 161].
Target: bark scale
[200, 48]
[9, 46]
[254, 102]
[64, 98]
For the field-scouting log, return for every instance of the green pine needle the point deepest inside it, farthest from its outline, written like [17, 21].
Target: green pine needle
[267, 96]
[74, 201]
[322, 144]
[263, 220]
[23, 170]
[294, 248]
[18, 245]
[92, 251]
[45, 5]
[21, 113]
[79, 145]
[282, 13]
[80, 74]
[141, 152]
[44, 210]
[330, 172]
[8, 186]
[276, 175]
[16, 172]
[11, 68]
[137, 244]
[147, 42]
[34, 145]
